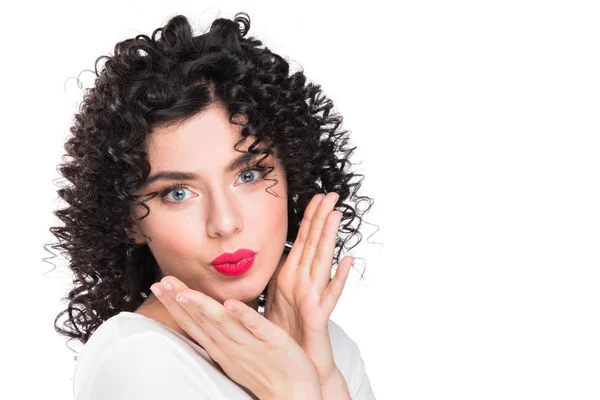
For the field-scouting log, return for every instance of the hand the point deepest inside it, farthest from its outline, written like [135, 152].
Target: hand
[301, 294]
[251, 350]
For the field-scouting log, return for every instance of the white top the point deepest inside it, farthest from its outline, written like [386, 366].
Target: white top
[131, 356]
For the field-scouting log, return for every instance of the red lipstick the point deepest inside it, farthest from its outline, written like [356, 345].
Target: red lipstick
[237, 263]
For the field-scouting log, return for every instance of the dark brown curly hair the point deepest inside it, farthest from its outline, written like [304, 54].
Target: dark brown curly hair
[151, 82]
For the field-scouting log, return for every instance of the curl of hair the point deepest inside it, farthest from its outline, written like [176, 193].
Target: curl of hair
[154, 81]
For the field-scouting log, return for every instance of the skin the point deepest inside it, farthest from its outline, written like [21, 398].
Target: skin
[223, 211]
[220, 212]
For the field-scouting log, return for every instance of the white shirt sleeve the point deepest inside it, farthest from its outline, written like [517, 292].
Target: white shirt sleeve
[348, 359]
[363, 390]
[146, 366]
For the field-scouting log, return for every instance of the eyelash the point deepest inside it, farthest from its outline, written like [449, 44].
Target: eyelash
[165, 192]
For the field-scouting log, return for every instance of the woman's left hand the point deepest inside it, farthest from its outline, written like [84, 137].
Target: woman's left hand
[301, 295]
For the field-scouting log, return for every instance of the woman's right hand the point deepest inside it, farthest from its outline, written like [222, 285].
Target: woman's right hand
[250, 349]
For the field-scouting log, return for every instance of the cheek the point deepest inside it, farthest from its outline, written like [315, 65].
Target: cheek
[273, 215]
[170, 232]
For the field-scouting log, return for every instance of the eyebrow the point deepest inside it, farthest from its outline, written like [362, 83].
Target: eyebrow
[188, 176]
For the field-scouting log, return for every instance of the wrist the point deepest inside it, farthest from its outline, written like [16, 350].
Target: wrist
[330, 375]
[333, 386]
[297, 390]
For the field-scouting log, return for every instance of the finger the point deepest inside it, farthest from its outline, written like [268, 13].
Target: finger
[259, 326]
[296, 253]
[323, 262]
[336, 286]
[316, 230]
[176, 285]
[205, 308]
[215, 321]
[213, 318]
[185, 321]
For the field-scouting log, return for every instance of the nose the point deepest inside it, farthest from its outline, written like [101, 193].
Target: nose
[224, 215]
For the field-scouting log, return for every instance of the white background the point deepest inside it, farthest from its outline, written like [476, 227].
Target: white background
[477, 126]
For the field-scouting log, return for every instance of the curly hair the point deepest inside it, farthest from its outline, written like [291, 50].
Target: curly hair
[151, 82]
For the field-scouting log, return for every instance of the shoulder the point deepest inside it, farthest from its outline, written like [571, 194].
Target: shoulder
[129, 357]
[346, 353]
[345, 350]
[348, 359]
[129, 332]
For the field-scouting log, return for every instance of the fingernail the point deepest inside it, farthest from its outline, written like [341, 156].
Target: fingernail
[156, 290]
[167, 286]
[182, 299]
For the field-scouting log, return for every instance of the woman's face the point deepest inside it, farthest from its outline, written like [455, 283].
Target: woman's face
[220, 211]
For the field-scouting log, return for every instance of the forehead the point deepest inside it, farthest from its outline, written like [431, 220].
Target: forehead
[203, 135]
[203, 145]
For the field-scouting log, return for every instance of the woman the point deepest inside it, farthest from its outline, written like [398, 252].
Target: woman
[205, 176]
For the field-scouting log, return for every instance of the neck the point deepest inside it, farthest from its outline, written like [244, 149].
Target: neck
[253, 304]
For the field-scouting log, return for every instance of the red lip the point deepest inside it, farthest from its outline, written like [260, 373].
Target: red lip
[235, 269]
[230, 258]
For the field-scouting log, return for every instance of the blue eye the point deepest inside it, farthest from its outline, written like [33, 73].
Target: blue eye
[246, 174]
[179, 189]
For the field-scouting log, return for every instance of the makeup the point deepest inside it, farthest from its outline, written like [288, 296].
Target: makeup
[234, 264]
